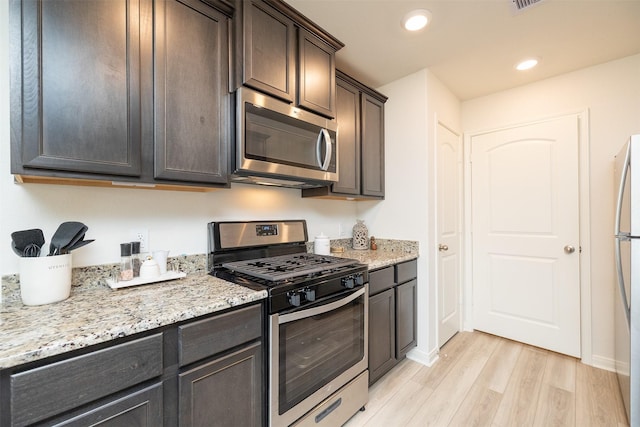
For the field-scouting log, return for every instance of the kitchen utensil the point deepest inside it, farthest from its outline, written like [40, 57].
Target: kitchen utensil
[64, 235]
[24, 239]
[78, 237]
[32, 250]
[13, 246]
[79, 244]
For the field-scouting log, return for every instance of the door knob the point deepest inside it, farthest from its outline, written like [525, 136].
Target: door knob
[443, 248]
[569, 249]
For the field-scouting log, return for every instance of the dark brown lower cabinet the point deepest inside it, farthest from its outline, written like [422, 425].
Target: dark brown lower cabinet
[225, 391]
[406, 320]
[139, 408]
[382, 346]
[392, 316]
[204, 372]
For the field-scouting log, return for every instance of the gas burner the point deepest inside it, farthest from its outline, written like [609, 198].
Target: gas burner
[289, 266]
[258, 264]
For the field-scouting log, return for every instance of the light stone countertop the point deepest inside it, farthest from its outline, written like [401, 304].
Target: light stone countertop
[95, 313]
[389, 252]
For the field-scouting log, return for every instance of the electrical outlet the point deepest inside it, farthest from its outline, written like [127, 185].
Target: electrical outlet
[141, 235]
[341, 230]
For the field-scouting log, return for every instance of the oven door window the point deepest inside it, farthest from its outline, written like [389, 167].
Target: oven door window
[315, 350]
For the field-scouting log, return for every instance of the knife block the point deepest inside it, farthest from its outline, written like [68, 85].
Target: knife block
[45, 280]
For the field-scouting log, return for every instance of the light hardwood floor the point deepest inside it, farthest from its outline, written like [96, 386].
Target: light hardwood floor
[484, 380]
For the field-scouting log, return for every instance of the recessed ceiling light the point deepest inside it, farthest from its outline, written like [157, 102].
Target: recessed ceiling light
[527, 64]
[416, 20]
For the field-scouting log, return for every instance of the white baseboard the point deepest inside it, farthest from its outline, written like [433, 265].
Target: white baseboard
[422, 357]
[605, 363]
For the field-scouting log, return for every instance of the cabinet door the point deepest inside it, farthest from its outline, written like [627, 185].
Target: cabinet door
[191, 92]
[348, 117]
[76, 106]
[372, 146]
[316, 75]
[48, 390]
[382, 339]
[269, 51]
[406, 297]
[226, 391]
[141, 408]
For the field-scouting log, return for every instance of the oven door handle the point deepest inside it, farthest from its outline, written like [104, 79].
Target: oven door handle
[320, 309]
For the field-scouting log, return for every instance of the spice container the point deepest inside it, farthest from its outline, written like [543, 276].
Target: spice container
[135, 258]
[126, 266]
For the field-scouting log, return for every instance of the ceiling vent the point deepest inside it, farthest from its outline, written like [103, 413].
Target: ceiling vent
[519, 5]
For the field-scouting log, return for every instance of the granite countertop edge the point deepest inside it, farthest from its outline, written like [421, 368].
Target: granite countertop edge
[95, 313]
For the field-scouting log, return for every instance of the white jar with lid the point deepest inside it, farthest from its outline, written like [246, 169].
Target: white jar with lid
[321, 245]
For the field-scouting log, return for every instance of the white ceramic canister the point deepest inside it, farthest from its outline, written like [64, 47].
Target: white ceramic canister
[44, 280]
[321, 245]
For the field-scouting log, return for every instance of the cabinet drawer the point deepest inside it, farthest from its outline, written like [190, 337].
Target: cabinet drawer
[379, 280]
[207, 337]
[52, 389]
[406, 271]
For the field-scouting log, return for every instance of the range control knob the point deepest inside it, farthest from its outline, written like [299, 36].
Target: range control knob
[294, 298]
[309, 294]
[359, 279]
[348, 282]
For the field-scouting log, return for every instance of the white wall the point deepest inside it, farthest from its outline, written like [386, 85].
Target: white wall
[175, 220]
[611, 93]
[408, 210]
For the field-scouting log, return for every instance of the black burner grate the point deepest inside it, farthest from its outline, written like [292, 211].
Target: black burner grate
[288, 266]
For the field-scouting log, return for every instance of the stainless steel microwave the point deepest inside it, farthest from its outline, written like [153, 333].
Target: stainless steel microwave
[279, 144]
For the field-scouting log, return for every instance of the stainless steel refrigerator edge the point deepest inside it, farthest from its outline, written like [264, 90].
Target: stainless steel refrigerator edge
[627, 257]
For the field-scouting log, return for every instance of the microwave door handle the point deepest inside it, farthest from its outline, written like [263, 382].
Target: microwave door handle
[621, 287]
[621, 188]
[324, 135]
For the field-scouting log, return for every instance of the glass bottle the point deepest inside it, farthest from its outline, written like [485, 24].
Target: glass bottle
[126, 267]
[135, 258]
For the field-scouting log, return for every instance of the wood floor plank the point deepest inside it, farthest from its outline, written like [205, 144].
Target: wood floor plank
[556, 407]
[499, 368]
[384, 390]
[481, 403]
[403, 407]
[518, 405]
[478, 408]
[560, 371]
[482, 380]
[598, 400]
[440, 407]
[449, 354]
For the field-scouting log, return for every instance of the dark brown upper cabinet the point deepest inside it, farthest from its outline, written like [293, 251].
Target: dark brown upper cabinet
[360, 117]
[281, 53]
[192, 102]
[76, 86]
[120, 91]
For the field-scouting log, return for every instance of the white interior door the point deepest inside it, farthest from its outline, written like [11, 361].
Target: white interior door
[449, 165]
[525, 231]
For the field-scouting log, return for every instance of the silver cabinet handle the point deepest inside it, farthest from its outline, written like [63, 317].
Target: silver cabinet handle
[443, 248]
[569, 249]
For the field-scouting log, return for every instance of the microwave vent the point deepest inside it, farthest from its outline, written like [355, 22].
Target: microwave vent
[519, 5]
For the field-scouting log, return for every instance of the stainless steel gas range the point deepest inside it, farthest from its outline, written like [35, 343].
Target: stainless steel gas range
[317, 317]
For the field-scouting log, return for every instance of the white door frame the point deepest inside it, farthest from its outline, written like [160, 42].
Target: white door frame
[585, 236]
